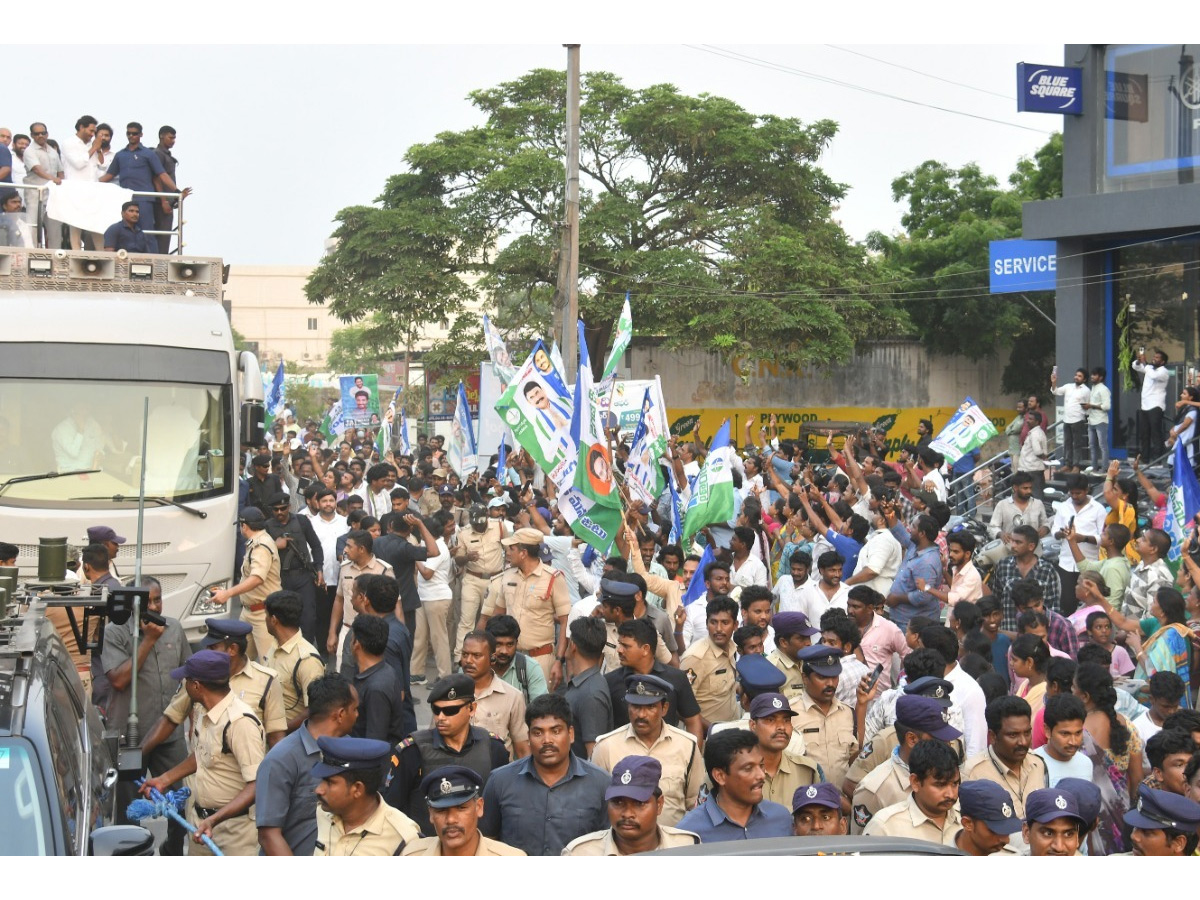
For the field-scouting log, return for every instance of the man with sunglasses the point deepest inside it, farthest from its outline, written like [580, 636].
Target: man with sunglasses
[140, 170]
[451, 741]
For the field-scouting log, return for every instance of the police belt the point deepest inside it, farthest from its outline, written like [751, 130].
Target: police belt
[205, 812]
[482, 575]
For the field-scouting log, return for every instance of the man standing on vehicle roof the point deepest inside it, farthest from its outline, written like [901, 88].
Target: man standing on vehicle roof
[140, 170]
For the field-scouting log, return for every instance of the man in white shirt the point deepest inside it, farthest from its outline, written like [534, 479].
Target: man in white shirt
[1098, 405]
[1154, 403]
[819, 594]
[328, 526]
[42, 166]
[1019, 509]
[789, 585]
[747, 568]
[879, 560]
[1088, 517]
[1074, 418]
[78, 154]
[1034, 450]
[967, 695]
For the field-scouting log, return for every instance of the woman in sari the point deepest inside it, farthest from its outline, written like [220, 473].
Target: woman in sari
[1121, 497]
[1169, 646]
[1115, 750]
[1162, 640]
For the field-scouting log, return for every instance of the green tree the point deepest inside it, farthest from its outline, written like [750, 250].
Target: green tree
[355, 348]
[717, 220]
[939, 264]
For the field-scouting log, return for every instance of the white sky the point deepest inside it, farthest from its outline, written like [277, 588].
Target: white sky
[276, 138]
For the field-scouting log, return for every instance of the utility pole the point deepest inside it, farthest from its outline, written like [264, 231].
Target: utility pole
[570, 352]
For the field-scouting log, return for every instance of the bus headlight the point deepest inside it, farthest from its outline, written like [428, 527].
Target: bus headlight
[203, 606]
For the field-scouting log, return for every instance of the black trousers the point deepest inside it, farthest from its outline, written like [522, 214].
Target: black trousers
[1067, 603]
[301, 581]
[325, 597]
[1150, 433]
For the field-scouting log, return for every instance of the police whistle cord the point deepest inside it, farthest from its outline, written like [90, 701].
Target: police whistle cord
[169, 806]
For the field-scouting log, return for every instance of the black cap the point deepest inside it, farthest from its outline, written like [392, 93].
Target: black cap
[453, 687]
[346, 754]
[252, 517]
[646, 690]
[451, 786]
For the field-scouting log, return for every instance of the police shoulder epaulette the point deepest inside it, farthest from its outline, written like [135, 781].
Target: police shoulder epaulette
[495, 737]
[407, 742]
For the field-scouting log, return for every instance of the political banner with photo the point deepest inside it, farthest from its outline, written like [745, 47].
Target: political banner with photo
[462, 449]
[588, 497]
[537, 409]
[502, 366]
[621, 405]
[360, 401]
[643, 474]
[968, 429]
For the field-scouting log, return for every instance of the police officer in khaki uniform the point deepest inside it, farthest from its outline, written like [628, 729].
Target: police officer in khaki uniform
[260, 577]
[771, 721]
[634, 801]
[537, 597]
[254, 684]
[917, 719]
[454, 795]
[710, 664]
[987, 818]
[481, 556]
[296, 662]
[817, 810]
[360, 560]
[228, 748]
[928, 813]
[1007, 760]
[353, 819]
[792, 634]
[648, 734]
[824, 721]
[499, 707]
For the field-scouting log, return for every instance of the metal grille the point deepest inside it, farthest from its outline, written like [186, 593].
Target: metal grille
[28, 553]
[15, 275]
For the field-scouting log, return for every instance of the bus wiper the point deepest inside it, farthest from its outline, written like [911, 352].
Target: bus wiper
[162, 501]
[45, 475]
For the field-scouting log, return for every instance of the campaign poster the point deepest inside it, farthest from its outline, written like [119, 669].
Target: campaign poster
[360, 401]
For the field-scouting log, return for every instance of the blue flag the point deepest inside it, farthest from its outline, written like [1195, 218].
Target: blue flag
[502, 459]
[696, 589]
[274, 401]
[1183, 502]
[676, 518]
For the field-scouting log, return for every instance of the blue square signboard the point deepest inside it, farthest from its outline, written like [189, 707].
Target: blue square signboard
[1049, 89]
[1016, 266]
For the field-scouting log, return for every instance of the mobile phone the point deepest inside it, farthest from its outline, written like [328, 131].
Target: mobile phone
[875, 673]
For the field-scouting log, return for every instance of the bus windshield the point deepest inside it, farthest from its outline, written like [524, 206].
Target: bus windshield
[51, 425]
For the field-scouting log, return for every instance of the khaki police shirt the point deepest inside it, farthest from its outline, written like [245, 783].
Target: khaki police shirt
[829, 738]
[905, 820]
[795, 745]
[682, 764]
[385, 832]
[793, 688]
[601, 843]
[491, 552]
[297, 664]
[713, 676]
[1031, 777]
[884, 786]
[256, 686]
[220, 776]
[261, 559]
[432, 846]
[500, 708]
[346, 575]
[534, 600]
[793, 772]
[878, 750]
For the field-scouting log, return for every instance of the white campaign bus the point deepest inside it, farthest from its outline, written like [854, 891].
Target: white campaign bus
[86, 339]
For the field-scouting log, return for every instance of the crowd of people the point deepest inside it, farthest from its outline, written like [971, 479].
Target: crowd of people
[88, 156]
[829, 661]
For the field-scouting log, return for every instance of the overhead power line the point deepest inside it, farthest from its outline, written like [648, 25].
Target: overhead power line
[735, 56]
[969, 87]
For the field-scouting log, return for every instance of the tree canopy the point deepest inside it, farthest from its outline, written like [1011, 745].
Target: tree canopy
[939, 264]
[718, 221]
